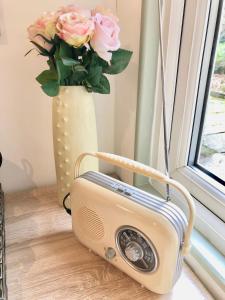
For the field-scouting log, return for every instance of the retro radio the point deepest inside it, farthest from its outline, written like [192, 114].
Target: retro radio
[143, 235]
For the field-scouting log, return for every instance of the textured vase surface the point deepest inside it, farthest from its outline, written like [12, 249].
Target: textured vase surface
[74, 132]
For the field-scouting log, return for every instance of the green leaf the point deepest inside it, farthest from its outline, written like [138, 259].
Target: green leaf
[51, 63]
[94, 75]
[51, 88]
[65, 50]
[120, 60]
[56, 53]
[87, 57]
[103, 87]
[79, 68]
[42, 50]
[56, 39]
[70, 62]
[88, 86]
[94, 70]
[78, 77]
[94, 59]
[46, 76]
[89, 89]
[63, 71]
[102, 62]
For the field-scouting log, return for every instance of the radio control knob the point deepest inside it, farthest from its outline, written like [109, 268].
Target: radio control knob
[134, 251]
[110, 253]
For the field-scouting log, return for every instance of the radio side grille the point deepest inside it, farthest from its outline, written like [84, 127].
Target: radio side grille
[90, 223]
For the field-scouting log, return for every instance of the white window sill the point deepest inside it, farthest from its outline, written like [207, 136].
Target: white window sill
[204, 259]
[208, 264]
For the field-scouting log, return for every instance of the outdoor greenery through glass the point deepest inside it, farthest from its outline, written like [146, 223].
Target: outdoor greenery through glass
[211, 155]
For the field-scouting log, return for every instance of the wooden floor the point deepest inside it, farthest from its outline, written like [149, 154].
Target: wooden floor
[46, 262]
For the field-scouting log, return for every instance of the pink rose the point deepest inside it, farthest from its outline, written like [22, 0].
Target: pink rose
[104, 11]
[106, 36]
[75, 29]
[46, 26]
[74, 8]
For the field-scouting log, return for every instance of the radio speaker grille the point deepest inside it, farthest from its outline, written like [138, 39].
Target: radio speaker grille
[90, 223]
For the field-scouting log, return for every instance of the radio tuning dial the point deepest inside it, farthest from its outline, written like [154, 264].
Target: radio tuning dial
[134, 251]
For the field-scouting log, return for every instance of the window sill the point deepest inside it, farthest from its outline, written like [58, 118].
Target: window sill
[208, 264]
[207, 221]
[204, 259]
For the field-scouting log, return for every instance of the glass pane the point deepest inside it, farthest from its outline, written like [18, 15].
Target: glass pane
[212, 150]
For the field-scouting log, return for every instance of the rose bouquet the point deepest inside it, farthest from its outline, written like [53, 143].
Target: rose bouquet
[81, 45]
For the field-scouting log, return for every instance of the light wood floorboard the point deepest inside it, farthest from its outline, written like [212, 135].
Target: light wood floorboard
[46, 262]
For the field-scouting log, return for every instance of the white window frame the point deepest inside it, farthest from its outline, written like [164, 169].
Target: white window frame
[183, 54]
[182, 80]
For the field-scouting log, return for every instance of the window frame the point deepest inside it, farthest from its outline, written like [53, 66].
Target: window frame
[208, 63]
[209, 195]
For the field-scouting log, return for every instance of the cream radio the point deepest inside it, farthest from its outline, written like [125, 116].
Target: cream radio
[143, 235]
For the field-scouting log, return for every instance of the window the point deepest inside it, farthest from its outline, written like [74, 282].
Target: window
[190, 86]
[195, 158]
[209, 154]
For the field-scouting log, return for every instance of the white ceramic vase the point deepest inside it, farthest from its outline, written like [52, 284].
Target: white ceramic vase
[74, 132]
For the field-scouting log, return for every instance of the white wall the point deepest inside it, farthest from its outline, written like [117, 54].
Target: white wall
[25, 120]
